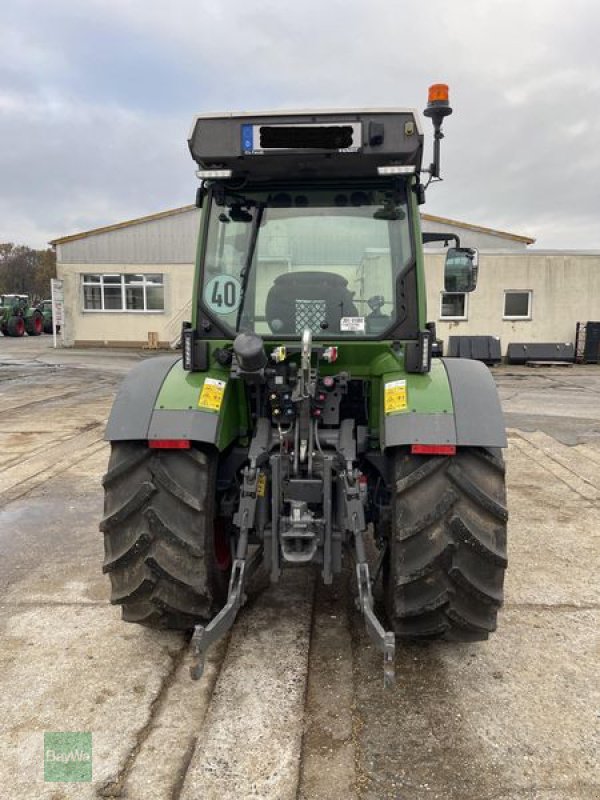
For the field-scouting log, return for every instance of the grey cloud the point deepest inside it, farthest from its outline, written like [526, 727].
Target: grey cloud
[520, 151]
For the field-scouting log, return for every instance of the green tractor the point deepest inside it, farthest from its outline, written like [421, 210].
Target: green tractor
[18, 317]
[45, 308]
[306, 421]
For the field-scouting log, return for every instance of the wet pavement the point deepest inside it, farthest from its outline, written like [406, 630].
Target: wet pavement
[292, 703]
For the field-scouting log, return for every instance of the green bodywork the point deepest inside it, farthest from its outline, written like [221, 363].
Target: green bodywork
[375, 362]
[45, 307]
[181, 391]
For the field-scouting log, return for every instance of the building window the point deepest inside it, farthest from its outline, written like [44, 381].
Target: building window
[123, 292]
[517, 305]
[453, 305]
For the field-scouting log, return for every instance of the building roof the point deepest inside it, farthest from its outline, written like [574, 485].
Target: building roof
[183, 209]
[119, 225]
[454, 223]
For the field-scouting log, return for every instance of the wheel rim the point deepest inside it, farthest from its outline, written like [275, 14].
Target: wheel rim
[19, 327]
[37, 324]
[221, 545]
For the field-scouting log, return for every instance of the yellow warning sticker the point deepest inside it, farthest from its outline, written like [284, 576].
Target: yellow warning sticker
[211, 395]
[261, 485]
[395, 397]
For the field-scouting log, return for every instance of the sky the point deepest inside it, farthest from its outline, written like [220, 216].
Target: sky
[97, 99]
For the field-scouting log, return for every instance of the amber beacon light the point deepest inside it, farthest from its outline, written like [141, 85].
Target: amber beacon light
[438, 107]
[438, 93]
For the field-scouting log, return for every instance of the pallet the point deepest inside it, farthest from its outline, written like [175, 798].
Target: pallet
[548, 364]
[152, 341]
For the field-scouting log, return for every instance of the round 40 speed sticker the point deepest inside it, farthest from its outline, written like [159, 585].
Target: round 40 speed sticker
[223, 294]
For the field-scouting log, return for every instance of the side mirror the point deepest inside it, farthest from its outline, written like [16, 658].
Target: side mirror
[460, 269]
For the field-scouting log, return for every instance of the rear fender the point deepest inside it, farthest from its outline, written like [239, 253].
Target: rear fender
[158, 399]
[456, 404]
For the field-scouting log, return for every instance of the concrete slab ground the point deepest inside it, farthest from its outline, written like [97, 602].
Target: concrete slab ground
[292, 704]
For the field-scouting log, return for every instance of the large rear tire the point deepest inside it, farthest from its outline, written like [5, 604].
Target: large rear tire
[34, 325]
[16, 326]
[447, 557]
[159, 535]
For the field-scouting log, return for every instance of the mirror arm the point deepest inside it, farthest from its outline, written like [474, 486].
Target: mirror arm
[440, 237]
[434, 167]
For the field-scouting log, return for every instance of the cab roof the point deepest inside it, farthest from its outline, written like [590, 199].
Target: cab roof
[307, 144]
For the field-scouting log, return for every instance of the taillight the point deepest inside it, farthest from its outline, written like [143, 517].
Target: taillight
[169, 444]
[433, 449]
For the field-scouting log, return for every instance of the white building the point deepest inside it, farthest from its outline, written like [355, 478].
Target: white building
[129, 280]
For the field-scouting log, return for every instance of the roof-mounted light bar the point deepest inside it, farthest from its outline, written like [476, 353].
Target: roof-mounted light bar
[396, 170]
[214, 174]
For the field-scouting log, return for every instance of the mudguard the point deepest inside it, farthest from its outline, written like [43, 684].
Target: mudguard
[456, 403]
[158, 399]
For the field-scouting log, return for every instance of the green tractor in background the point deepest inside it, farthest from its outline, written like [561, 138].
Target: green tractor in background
[45, 308]
[18, 317]
[307, 415]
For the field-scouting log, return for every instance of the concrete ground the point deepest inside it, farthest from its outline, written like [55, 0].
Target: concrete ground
[292, 703]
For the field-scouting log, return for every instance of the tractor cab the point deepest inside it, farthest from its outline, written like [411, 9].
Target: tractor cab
[327, 258]
[15, 301]
[308, 224]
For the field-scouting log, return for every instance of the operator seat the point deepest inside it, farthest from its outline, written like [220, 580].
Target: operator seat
[315, 300]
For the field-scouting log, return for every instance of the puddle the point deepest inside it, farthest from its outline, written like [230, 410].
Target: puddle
[28, 365]
[9, 518]
[29, 513]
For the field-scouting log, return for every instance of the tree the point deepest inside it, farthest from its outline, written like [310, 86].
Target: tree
[45, 270]
[26, 271]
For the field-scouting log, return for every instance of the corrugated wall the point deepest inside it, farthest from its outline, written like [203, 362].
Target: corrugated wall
[168, 240]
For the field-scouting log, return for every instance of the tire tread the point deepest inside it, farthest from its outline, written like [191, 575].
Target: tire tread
[448, 545]
[157, 526]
